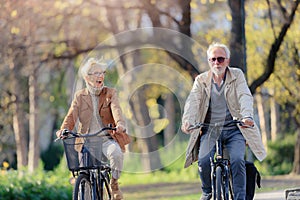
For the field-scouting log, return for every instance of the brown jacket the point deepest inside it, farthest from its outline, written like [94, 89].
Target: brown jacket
[110, 112]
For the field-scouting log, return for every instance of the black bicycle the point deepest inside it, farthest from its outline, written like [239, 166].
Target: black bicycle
[85, 161]
[220, 170]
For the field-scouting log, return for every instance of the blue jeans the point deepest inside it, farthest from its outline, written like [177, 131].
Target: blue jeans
[235, 145]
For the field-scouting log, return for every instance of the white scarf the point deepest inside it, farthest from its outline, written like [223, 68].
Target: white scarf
[94, 90]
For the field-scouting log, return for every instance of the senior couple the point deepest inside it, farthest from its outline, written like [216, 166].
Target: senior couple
[217, 95]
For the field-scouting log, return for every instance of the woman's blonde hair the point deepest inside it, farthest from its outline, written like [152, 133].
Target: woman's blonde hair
[91, 63]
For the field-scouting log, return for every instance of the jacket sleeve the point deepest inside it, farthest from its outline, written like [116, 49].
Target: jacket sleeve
[191, 108]
[244, 96]
[116, 109]
[72, 115]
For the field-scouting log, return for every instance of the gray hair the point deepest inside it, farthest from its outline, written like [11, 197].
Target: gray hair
[91, 63]
[218, 45]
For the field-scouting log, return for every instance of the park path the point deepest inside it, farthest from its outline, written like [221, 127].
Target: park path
[273, 195]
[275, 187]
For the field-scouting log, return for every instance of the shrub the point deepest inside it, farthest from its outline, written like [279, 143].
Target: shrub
[280, 157]
[40, 185]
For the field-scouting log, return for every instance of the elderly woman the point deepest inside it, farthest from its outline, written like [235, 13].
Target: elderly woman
[94, 107]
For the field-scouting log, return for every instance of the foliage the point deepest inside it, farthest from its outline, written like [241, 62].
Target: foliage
[21, 184]
[280, 157]
[52, 156]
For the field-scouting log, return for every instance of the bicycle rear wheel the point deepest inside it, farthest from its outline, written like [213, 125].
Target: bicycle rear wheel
[83, 188]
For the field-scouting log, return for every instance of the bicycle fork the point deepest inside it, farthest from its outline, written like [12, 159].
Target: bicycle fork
[219, 166]
[93, 185]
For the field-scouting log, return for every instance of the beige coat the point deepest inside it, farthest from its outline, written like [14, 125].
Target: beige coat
[239, 101]
[81, 110]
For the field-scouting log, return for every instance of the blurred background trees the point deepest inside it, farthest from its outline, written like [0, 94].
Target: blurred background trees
[43, 44]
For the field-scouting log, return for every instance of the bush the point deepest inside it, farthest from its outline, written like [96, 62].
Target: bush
[280, 157]
[40, 185]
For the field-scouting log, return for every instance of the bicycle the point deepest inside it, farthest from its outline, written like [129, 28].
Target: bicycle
[84, 154]
[220, 169]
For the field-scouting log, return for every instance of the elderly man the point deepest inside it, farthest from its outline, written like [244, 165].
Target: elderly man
[218, 96]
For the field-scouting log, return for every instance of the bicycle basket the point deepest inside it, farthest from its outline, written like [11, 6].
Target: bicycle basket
[83, 152]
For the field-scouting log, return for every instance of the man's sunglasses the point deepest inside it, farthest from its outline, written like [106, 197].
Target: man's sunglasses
[219, 59]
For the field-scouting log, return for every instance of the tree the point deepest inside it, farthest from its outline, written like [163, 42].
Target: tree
[276, 66]
[278, 40]
[34, 39]
[238, 37]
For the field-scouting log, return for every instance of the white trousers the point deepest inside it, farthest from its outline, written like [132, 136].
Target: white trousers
[112, 151]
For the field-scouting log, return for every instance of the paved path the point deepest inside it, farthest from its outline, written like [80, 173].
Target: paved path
[274, 195]
[278, 195]
[169, 190]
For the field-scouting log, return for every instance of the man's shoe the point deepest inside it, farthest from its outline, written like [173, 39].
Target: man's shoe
[206, 196]
[116, 192]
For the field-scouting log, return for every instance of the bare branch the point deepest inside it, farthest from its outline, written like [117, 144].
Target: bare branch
[271, 18]
[274, 50]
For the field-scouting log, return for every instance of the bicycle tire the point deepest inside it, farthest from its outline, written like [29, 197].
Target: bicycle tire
[83, 188]
[105, 190]
[226, 184]
[219, 183]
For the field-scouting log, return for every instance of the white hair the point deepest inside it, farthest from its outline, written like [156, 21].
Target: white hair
[218, 45]
[90, 64]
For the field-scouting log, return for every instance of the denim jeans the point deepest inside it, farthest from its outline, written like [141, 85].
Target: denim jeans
[235, 146]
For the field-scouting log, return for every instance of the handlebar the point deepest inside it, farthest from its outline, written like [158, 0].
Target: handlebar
[218, 125]
[67, 133]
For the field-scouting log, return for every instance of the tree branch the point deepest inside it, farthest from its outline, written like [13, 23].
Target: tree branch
[274, 50]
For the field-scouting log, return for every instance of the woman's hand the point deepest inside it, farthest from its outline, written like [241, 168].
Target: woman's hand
[119, 129]
[59, 133]
[62, 134]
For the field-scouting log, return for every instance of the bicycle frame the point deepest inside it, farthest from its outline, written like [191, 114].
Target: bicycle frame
[223, 164]
[97, 178]
[84, 160]
[220, 170]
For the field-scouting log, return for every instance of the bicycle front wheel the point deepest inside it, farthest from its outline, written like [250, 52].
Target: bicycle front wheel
[105, 190]
[83, 188]
[219, 183]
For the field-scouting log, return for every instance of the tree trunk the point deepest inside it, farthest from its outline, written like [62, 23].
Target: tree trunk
[296, 164]
[18, 118]
[274, 117]
[237, 40]
[34, 147]
[169, 131]
[146, 138]
[148, 141]
[262, 119]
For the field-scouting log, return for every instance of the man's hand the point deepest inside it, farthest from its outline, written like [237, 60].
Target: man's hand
[247, 122]
[185, 127]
